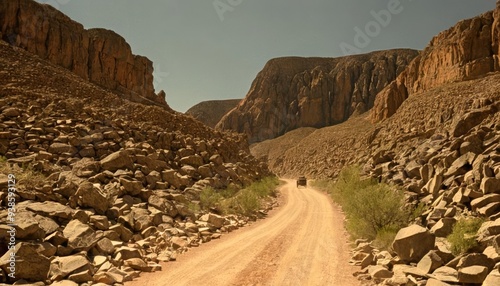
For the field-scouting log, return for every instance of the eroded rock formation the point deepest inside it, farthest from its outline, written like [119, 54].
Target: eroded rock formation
[295, 92]
[98, 55]
[465, 51]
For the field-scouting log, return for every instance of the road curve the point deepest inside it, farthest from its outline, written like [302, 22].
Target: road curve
[301, 243]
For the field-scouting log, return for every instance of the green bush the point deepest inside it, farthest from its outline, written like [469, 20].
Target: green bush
[209, 198]
[464, 234]
[373, 210]
[244, 201]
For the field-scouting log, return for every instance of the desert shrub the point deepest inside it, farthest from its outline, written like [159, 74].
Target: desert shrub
[27, 178]
[373, 210]
[385, 238]
[246, 202]
[464, 234]
[239, 201]
[209, 198]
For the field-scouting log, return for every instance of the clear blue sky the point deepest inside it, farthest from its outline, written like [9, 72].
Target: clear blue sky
[202, 52]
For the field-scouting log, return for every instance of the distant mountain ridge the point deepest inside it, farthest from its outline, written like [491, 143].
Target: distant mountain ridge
[294, 92]
[210, 112]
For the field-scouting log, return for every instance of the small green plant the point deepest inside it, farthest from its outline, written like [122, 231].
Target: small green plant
[194, 207]
[239, 201]
[373, 210]
[209, 198]
[246, 202]
[464, 234]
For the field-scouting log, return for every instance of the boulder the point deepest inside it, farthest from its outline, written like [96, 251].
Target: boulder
[412, 170]
[60, 148]
[92, 196]
[132, 188]
[490, 185]
[488, 229]
[413, 242]
[117, 160]
[137, 264]
[105, 246]
[193, 160]
[484, 200]
[216, 220]
[51, 209]
[476, 259]
[493, 279]
[29, 265]
[443, 227]
[62, 267]
[473, 274]
[126, 252]
[80, 236]
[27, 227]
[468, 121]
[379, 272]
[430, 262]
[178, 242]
[446, 274]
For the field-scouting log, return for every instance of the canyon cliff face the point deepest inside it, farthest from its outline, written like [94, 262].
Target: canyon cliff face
[98, 55]
[295, 92]
[466, 51]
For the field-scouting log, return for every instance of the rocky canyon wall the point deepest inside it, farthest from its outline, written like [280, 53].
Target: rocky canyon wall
[295, 92]
[98, 55]
[466, 51]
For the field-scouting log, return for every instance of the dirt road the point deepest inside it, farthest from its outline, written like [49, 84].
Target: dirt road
[301, 243]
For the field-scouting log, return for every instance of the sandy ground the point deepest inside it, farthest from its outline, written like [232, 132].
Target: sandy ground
[301, 243]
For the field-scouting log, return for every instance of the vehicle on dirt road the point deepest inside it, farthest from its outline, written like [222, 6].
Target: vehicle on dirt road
[302, 181]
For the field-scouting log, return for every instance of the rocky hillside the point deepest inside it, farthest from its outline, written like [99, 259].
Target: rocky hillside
[465, 51]
[98, 55]
[442, 147]
[319, 153]
[297, 92]
[105, 187]
[210, 112]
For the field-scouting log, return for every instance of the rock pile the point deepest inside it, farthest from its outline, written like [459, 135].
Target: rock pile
[122, 180]
[453, 167]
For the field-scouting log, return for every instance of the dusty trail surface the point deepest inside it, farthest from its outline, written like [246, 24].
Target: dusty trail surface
[301, 243]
